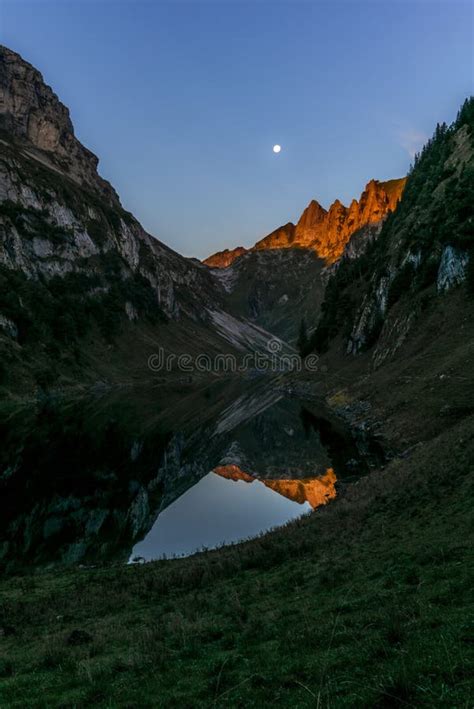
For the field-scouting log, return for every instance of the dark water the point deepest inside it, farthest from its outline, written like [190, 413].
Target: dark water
[139, 475]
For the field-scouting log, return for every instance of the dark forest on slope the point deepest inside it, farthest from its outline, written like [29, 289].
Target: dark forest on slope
[436, 210]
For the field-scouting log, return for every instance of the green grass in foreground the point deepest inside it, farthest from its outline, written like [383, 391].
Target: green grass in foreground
[365, 603]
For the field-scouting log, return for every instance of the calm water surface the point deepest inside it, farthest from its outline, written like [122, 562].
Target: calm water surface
[139, 475]
[216, 511]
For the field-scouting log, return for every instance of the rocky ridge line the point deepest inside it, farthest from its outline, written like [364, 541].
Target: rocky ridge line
[326, 232]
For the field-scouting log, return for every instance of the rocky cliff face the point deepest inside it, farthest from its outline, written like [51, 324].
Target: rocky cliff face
[452, 268]
[32, 113]
[73, 263]
[57, 215]
[327, 232]
[50, 227]
[222, 259]
[425, 248]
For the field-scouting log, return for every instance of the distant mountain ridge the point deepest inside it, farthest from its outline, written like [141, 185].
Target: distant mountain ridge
[282, 279]
[87, 294]
[326, 232]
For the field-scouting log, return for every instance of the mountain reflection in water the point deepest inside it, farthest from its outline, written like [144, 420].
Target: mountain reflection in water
[315, 491]
[216, 511]
[100, 479]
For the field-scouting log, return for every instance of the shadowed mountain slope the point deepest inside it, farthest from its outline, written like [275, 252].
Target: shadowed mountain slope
[281, 280]
[424, 250]
[85, 291]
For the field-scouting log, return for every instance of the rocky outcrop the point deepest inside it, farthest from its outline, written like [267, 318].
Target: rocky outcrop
[327, 233]
[369, 318]
[452, 269]
[281, 238]
[359, 241]
[373, 322]
[393, 334]
[8, 327]
[222, 259]
[32, 113]
[311, 223]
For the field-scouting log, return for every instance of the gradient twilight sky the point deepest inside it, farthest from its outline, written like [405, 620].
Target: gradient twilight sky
[182, 101]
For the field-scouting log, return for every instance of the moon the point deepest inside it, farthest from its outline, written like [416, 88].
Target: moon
[276, 148]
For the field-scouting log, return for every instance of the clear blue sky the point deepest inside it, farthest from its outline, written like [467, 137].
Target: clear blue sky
[182, 101]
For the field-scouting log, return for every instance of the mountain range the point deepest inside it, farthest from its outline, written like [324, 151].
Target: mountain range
[327, 233]
[77, 271]
[88, 295]
[364, 602]
[281, 279]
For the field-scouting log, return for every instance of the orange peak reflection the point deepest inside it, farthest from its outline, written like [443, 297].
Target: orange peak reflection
[317, 491]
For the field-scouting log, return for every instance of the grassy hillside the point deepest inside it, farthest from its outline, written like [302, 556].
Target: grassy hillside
[365, 603]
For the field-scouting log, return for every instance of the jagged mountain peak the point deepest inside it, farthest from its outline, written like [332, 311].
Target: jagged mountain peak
[278, 239]
[32, 114]
[312, 215]
[326, 232]
[224, 258]
[315, 207]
